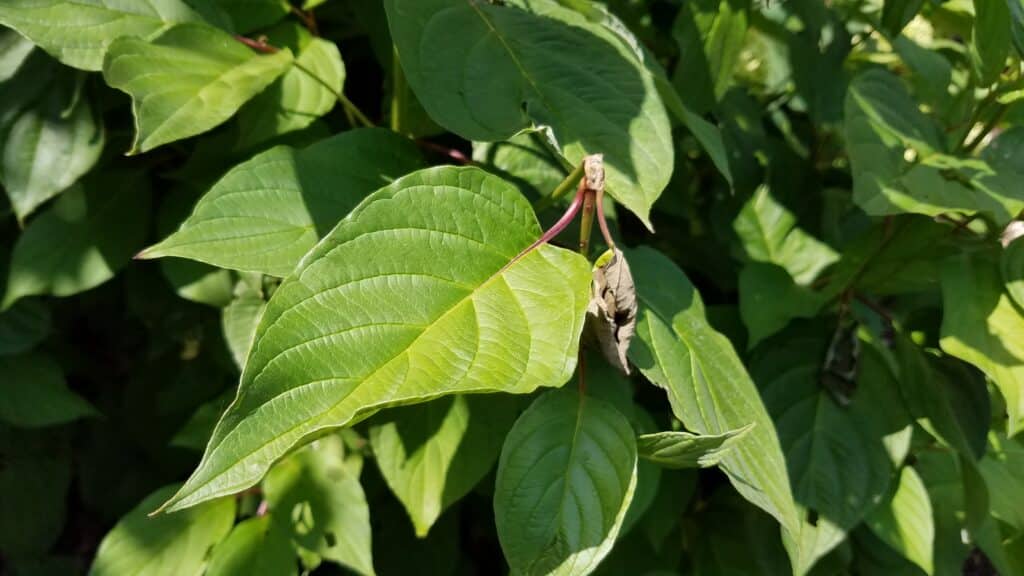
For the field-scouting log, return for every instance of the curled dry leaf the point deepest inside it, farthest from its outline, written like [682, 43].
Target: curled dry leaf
[611, 313]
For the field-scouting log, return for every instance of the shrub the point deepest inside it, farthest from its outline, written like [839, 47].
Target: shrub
[528, 286]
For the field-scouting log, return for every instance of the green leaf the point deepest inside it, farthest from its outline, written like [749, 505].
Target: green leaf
[79, 32]
[736, 538]
[898, 163]
[648, 474]
[264, 214]
[990, 39]
[1012, 267]
[14, 51]
[195, 433]
[684, 450]
[940, 472]
[565, 480]
[981, 325]
[508, 69]
[35, 477]
[22, 326]
[187, 81]
[708, 388]
[296, 99]
[898, 13]
[905, 521]
[81, 240]
[1003, 471]
[837, 456]
[523, 160]
[769, 299]
[951, 401]
[315, 496]
[35, 394]
[710, 34]
[192, 281]
[769, 233]
[50, 144]
[432, 454]
[255, 547]
[238, 321]
[166, 545]
[251, 15]
[495, 322]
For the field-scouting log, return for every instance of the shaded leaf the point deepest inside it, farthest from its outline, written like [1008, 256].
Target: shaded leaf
[35, 476]
[769, 299]
[254, 547]
[708, 388]
[49, 145]
[188, 80]
[565, 480]
[433, 454]
[905, 523]
[22, 326]
[710, 35]
[1003, 471]
[523, 160]
[251, 15]
[316, 498]
[238, 321]
[79, 33]
[990, 38]
[510, 69]
[981, 325]
[494, 322]
[14, 51]
[82, 240]
[265, 213]
[166, 545]
[35, 394]
[1012, 266]
[295, 99]
[684, 450]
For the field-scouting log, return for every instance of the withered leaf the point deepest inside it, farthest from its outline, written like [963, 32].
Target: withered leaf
[611, 314]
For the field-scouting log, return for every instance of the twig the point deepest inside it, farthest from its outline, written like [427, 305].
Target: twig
[455, 155]
[307, 18]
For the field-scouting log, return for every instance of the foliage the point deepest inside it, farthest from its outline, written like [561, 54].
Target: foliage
[302, 287]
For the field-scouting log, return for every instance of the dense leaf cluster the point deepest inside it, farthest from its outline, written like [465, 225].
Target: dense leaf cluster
[346, 343]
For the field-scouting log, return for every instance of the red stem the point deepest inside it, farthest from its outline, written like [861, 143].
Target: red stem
[601, 222]
[257, 45]
[556, 229]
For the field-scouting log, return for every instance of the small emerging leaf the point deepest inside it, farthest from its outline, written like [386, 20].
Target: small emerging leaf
[684, 450]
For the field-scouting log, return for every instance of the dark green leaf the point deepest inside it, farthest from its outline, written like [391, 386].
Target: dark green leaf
[255, 547]
[35, 473]
[81, 240]
[769, 299]
[565, 480]
[508, 69]
[35, 394]
[22, 326]
[685, 450]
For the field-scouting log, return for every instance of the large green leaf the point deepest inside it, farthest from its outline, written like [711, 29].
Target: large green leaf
[565, 480]
[433, 454]
[188, 80]
[81, 240]
[481, 320]
[898, 161]
[685, 450]
[168, 545]
[905, 521]
[708, 387]
[78, 32]
[297, 98]
[981, 325]
[768, 233]
[264, 214]
[50, 144]
[315, 496]
[1003, 471]
[486, 71]
[36, 395]
[254, 548]
[837, 456]
[950, 400]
